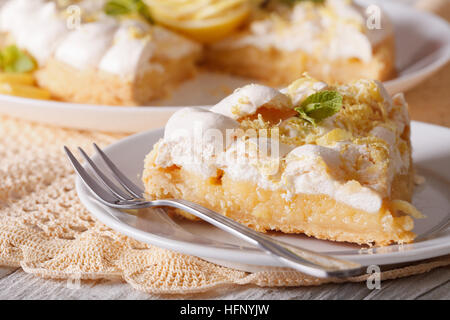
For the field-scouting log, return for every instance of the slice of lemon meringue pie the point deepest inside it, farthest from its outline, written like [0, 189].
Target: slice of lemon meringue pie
[87, 54]
[332, 162]
[332, 40]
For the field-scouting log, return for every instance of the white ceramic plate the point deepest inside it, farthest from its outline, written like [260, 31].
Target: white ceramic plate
[431, 155]
[422, 41]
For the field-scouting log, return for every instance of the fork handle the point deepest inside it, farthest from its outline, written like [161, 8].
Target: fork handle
[305, 261]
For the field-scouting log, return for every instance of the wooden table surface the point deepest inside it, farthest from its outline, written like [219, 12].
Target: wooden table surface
[429, 102]
[16, 284]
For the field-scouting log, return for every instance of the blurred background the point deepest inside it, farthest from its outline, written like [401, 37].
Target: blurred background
[430, 101]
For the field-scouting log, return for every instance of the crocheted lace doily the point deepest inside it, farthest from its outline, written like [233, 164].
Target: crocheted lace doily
[46, 230]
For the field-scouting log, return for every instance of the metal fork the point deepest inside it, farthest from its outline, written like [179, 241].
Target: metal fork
[124, 194]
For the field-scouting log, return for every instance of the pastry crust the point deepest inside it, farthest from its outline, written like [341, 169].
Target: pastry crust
[98, 87]
[278, 68]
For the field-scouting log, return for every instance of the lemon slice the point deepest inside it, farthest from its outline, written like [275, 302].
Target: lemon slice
[17, 78]
[203, 20]
[23, 90]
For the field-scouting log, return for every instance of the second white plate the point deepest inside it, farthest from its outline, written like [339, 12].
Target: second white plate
[422, 44]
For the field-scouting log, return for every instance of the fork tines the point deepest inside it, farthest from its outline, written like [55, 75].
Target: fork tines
[107, 191]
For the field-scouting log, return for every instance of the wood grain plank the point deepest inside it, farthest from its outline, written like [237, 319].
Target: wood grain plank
[6, 271]
[328, 291]
[433, 285]
[405, 288]
[20, 285]
[441, 292]
[411, 287]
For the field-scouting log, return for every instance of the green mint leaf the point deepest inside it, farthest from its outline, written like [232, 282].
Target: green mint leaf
[302, 114]
[144, 11]
[319, 106]
[117, 7]
[15, 60]
[121, 7]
